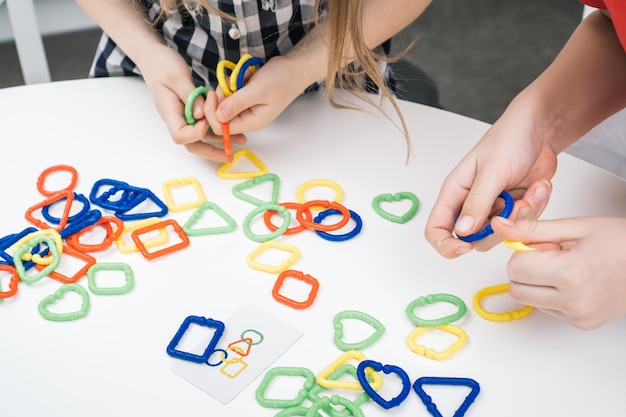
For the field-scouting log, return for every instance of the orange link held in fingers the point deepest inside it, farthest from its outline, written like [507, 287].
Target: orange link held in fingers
[228, 146]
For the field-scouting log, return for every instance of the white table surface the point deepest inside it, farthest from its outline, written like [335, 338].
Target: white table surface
[113, 362]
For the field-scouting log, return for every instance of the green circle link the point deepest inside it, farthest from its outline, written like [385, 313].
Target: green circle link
[189, 103]
[267, 207]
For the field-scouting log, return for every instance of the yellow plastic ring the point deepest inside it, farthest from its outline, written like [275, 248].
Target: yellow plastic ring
[501, 317]
[221, 76]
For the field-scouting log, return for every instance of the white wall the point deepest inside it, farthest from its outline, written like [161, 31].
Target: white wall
[53, 16]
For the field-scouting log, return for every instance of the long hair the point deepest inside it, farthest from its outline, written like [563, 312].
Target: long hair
[344, 39]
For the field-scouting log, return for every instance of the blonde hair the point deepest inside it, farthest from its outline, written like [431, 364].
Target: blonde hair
[344, 21]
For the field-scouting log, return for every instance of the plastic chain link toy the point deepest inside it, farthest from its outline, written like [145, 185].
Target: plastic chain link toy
[300, 276]
[387, 369]
[488, 230]
[338, 325]
[202, 90]
[419, 383]
[501, 317]
[431, 299]
[200, 321]
[389, 198]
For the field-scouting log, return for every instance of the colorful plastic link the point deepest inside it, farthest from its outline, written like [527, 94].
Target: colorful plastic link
[200, 321]
[181, 244]
[112, 234]
[342, 237]
[435, 354]
[315, 393]
[488, 230]
[272, 235]
[389, 198]
[273, 269]
[325, 205]
[36, 257]
[58, 295]
[191, 230]
[517, 246]
[419, 383]
[25, 250]
[273, 178]
[201, 90]
[387, 369]
[67, 195]
[45, 210]
[301, 190]
[41, 180]
[431, 299]
[267, 218]
[179, 183]
[224, 171]
[378, 327]
[14, 280]
[309, 382]
[129, 228]
[306, 278]
[88, 262]
[324, 379]
[325, 402]
[129, 278]
[501, 317]
[238, 72]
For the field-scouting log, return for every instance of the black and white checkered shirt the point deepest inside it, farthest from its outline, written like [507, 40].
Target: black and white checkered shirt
[264, 28]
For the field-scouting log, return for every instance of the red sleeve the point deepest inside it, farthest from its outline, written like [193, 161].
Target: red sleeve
[598, 4]
[617, 10]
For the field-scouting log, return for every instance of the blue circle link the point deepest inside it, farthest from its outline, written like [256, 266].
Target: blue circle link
[338, 238]
[488, 230]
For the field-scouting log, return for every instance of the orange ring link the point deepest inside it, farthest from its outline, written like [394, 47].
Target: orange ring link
[325, 204]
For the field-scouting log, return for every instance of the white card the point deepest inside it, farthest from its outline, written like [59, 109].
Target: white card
[245, 361]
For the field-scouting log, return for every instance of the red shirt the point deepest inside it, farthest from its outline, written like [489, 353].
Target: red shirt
[617, 9]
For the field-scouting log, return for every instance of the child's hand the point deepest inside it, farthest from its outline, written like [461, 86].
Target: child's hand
[263, 98]
[509, 157]
[169, 81]
[583, 281]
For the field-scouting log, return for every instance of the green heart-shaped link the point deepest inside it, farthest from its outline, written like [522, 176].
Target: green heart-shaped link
[58, 295]
[390, 198]
[378, 327]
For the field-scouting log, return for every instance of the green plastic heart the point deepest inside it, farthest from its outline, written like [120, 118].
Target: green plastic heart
[378, 327]
[390, 198]
[238, 189]
[188, 227]
[58, 295]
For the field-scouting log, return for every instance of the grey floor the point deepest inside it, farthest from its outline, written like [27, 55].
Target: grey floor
[475, 54]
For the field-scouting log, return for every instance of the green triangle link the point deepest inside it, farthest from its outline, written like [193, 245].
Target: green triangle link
[251, 183]
[188, 227]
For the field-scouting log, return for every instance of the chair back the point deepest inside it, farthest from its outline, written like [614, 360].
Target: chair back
[28, 41]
